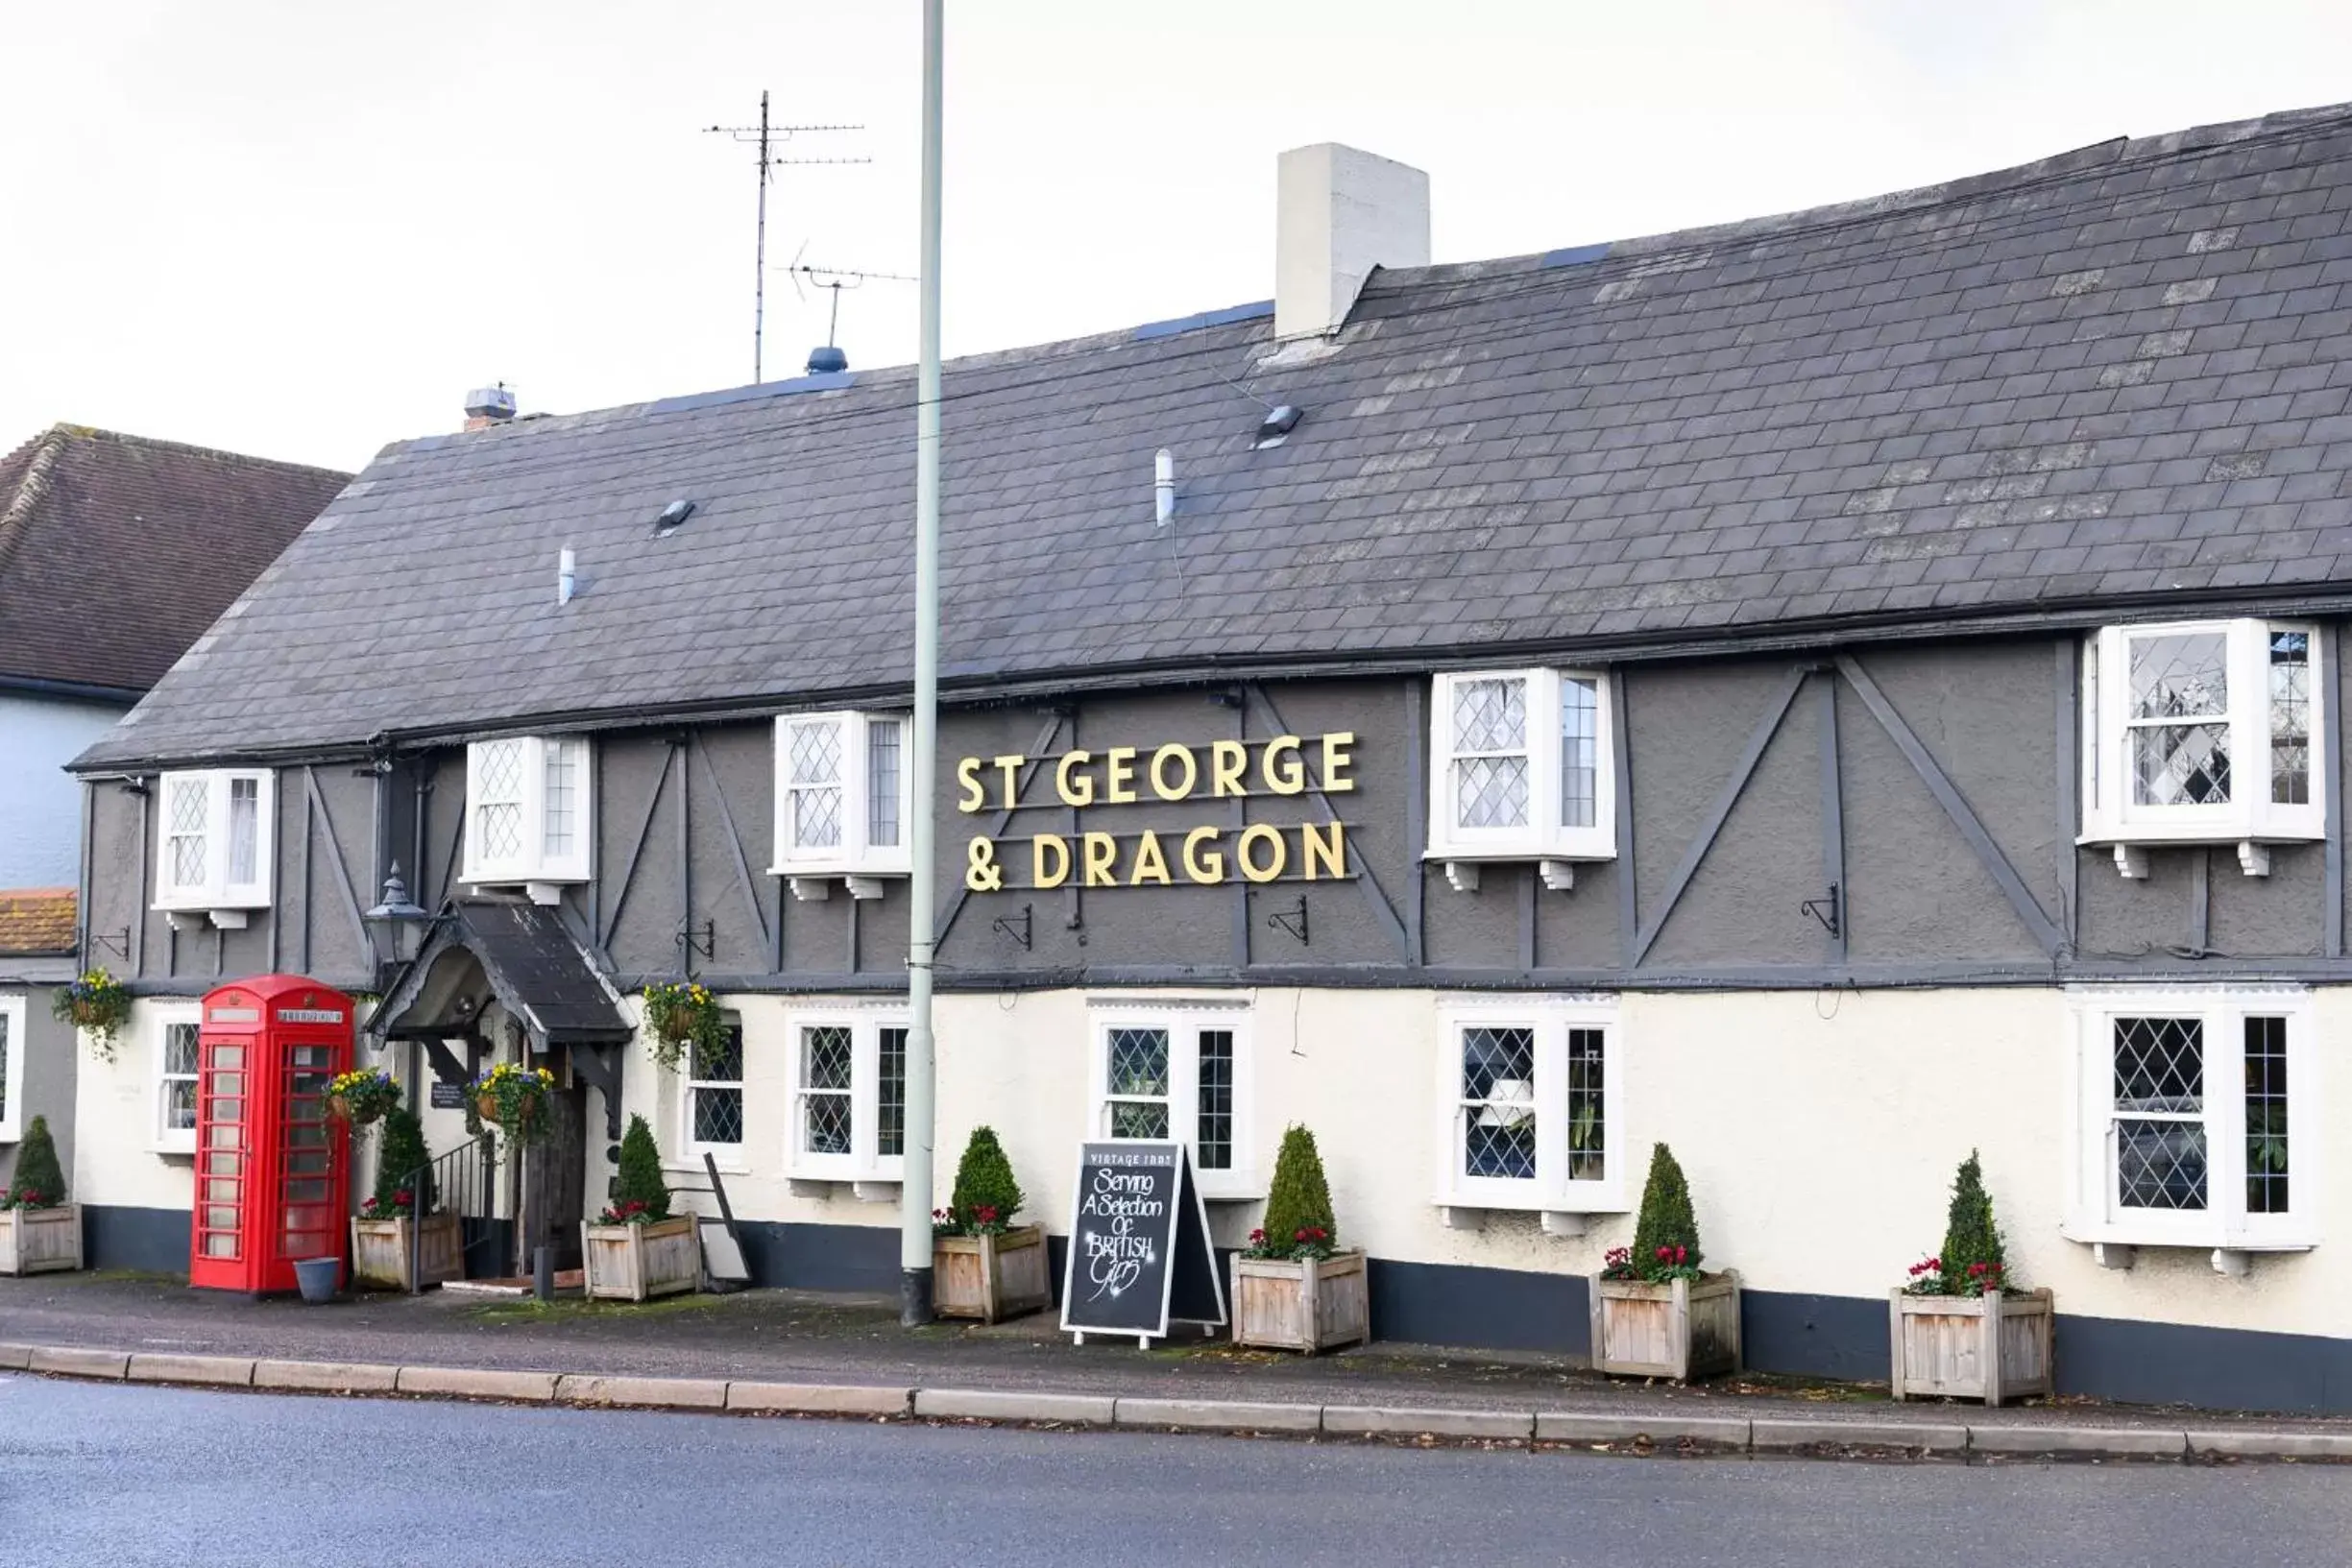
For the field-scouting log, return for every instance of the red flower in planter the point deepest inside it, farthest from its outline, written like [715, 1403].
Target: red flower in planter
[1256, 1237]
[402, 1197]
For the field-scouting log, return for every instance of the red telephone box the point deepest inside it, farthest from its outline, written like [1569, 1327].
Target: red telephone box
[273, 1171]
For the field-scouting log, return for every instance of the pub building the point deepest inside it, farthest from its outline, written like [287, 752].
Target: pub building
[1827, 692]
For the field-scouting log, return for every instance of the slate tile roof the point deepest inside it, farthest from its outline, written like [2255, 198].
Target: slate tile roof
[2116, 375]
[37, 922]
[116, 551]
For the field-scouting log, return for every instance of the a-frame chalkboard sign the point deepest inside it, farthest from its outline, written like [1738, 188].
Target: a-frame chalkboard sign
[1139, 1245]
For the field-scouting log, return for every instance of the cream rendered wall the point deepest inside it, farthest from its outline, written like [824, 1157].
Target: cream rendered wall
[1819, 1131]
[115, 1118]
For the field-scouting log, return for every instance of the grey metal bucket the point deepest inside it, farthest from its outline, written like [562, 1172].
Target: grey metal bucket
[317, 1277]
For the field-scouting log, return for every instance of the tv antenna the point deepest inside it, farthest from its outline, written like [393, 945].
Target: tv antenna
[835, 279]
[765, 137]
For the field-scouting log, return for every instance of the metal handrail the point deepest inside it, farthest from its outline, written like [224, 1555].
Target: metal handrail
[471, 1179]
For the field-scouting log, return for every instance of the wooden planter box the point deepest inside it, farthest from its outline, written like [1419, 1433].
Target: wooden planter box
[632, 1262]
[1301, 1303]
[41, 1241]
[991, 1277]
[380, 1252]
[1989, 1347]
[1681, 1331]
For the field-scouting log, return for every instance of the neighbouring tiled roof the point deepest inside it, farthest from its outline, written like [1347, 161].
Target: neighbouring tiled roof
[116, 551]
[37, 922]
[2119, 373]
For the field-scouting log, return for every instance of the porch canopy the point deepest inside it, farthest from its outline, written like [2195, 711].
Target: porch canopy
[520, 957]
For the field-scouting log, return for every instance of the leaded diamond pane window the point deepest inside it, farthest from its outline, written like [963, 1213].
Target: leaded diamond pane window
[1213, 1145]
[1579, 758]
[890, 1093]
[813, 776]
[2161, 1156]
[1498, 1102]
[826, 1113]
[178, 1078]
[715, 1091]
[1137, 1078]
[1490, 761]
[2179, 707]
[2266, 1116]
[1587, 1122]
[497, 811]
[2289, 717]
[882, 775]
[190, 803]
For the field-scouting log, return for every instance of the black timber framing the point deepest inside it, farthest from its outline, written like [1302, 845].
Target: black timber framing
[352, 905]
[2066, 700]
[741, 861]
[637, 851]
[1375, 897]
[1621, 758]
[2331, 784]
[1417, 820]
[1775, 710]
[599, 1067]
[1833, 818]
[1238, 813]
[681, 754]
[2200, 900]
[1035, 759]
[1931, 773]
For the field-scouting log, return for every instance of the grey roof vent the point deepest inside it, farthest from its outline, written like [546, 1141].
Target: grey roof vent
[673, 518]
[827, 360]
[1278, 425]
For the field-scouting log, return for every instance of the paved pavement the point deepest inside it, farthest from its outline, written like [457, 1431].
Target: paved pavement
[129, 1476]
[796, 1337]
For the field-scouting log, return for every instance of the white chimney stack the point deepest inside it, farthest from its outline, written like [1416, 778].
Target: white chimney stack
[1339, 213]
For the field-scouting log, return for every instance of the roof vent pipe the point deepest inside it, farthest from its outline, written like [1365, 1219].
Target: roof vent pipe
[1163, 485]
[567, 578]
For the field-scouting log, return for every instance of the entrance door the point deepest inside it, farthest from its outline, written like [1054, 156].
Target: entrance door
[555, 1178]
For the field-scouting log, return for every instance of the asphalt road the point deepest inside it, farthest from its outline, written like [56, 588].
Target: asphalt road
[124, 1476]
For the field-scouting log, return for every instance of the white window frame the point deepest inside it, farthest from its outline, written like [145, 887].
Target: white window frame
[855, 856]
[155, 1027]
[2093, 1212]
[1185, 1021]
[2111, 816]
[1543, 836]
[728, 1155]
[214, 891]
[532, 866]
[1551, 1019]
[14, 1047]
[861, 1164]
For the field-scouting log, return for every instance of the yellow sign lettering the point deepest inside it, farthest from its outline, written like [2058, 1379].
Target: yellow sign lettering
[1330, 853]
[1077, 792]
[1119, 776]
[1337, 760]
[1285, 774]
[1209, 867]
[967, 774]
[1259, 832]
[1227, 759]
[1008, 769]
[1160, 760]
[1045, 848]
[1150, 864]
[1102, 850]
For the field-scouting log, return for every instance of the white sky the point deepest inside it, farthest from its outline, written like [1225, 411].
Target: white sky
[303, 229]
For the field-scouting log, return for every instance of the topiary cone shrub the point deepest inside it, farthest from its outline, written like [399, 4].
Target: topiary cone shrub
[1972, 1255]
[1666, 1220]
[36, 1166]
[399, 1159]
[640, 1179]
[986, 1197]
[1298, 1218]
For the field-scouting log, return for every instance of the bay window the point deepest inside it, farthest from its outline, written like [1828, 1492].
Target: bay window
[530, 818]
[12, 1048]
[214, 845]
[848, 1117]
[2202, 732]
[1178, 1072]
[2193, 1119]
[1529, 1106]
[842, 801]
[1520, 771]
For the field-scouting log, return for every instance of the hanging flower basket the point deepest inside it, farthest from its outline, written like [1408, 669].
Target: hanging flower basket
[513, 1100]
[362, 1098]
[96, 1004]
[679, 1013]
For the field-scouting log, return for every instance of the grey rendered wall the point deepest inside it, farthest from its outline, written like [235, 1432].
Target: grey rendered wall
[50, 1064]
[1932, 784]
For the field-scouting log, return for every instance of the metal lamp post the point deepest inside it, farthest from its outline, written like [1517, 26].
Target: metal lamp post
[914, 1250]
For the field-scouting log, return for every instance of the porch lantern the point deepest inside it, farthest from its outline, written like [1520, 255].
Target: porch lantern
[396, 928]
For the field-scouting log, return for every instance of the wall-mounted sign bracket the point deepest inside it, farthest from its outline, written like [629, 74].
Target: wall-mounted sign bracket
[1826, 910]
[700, 940]
[1293, 921]
[1021, 933]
